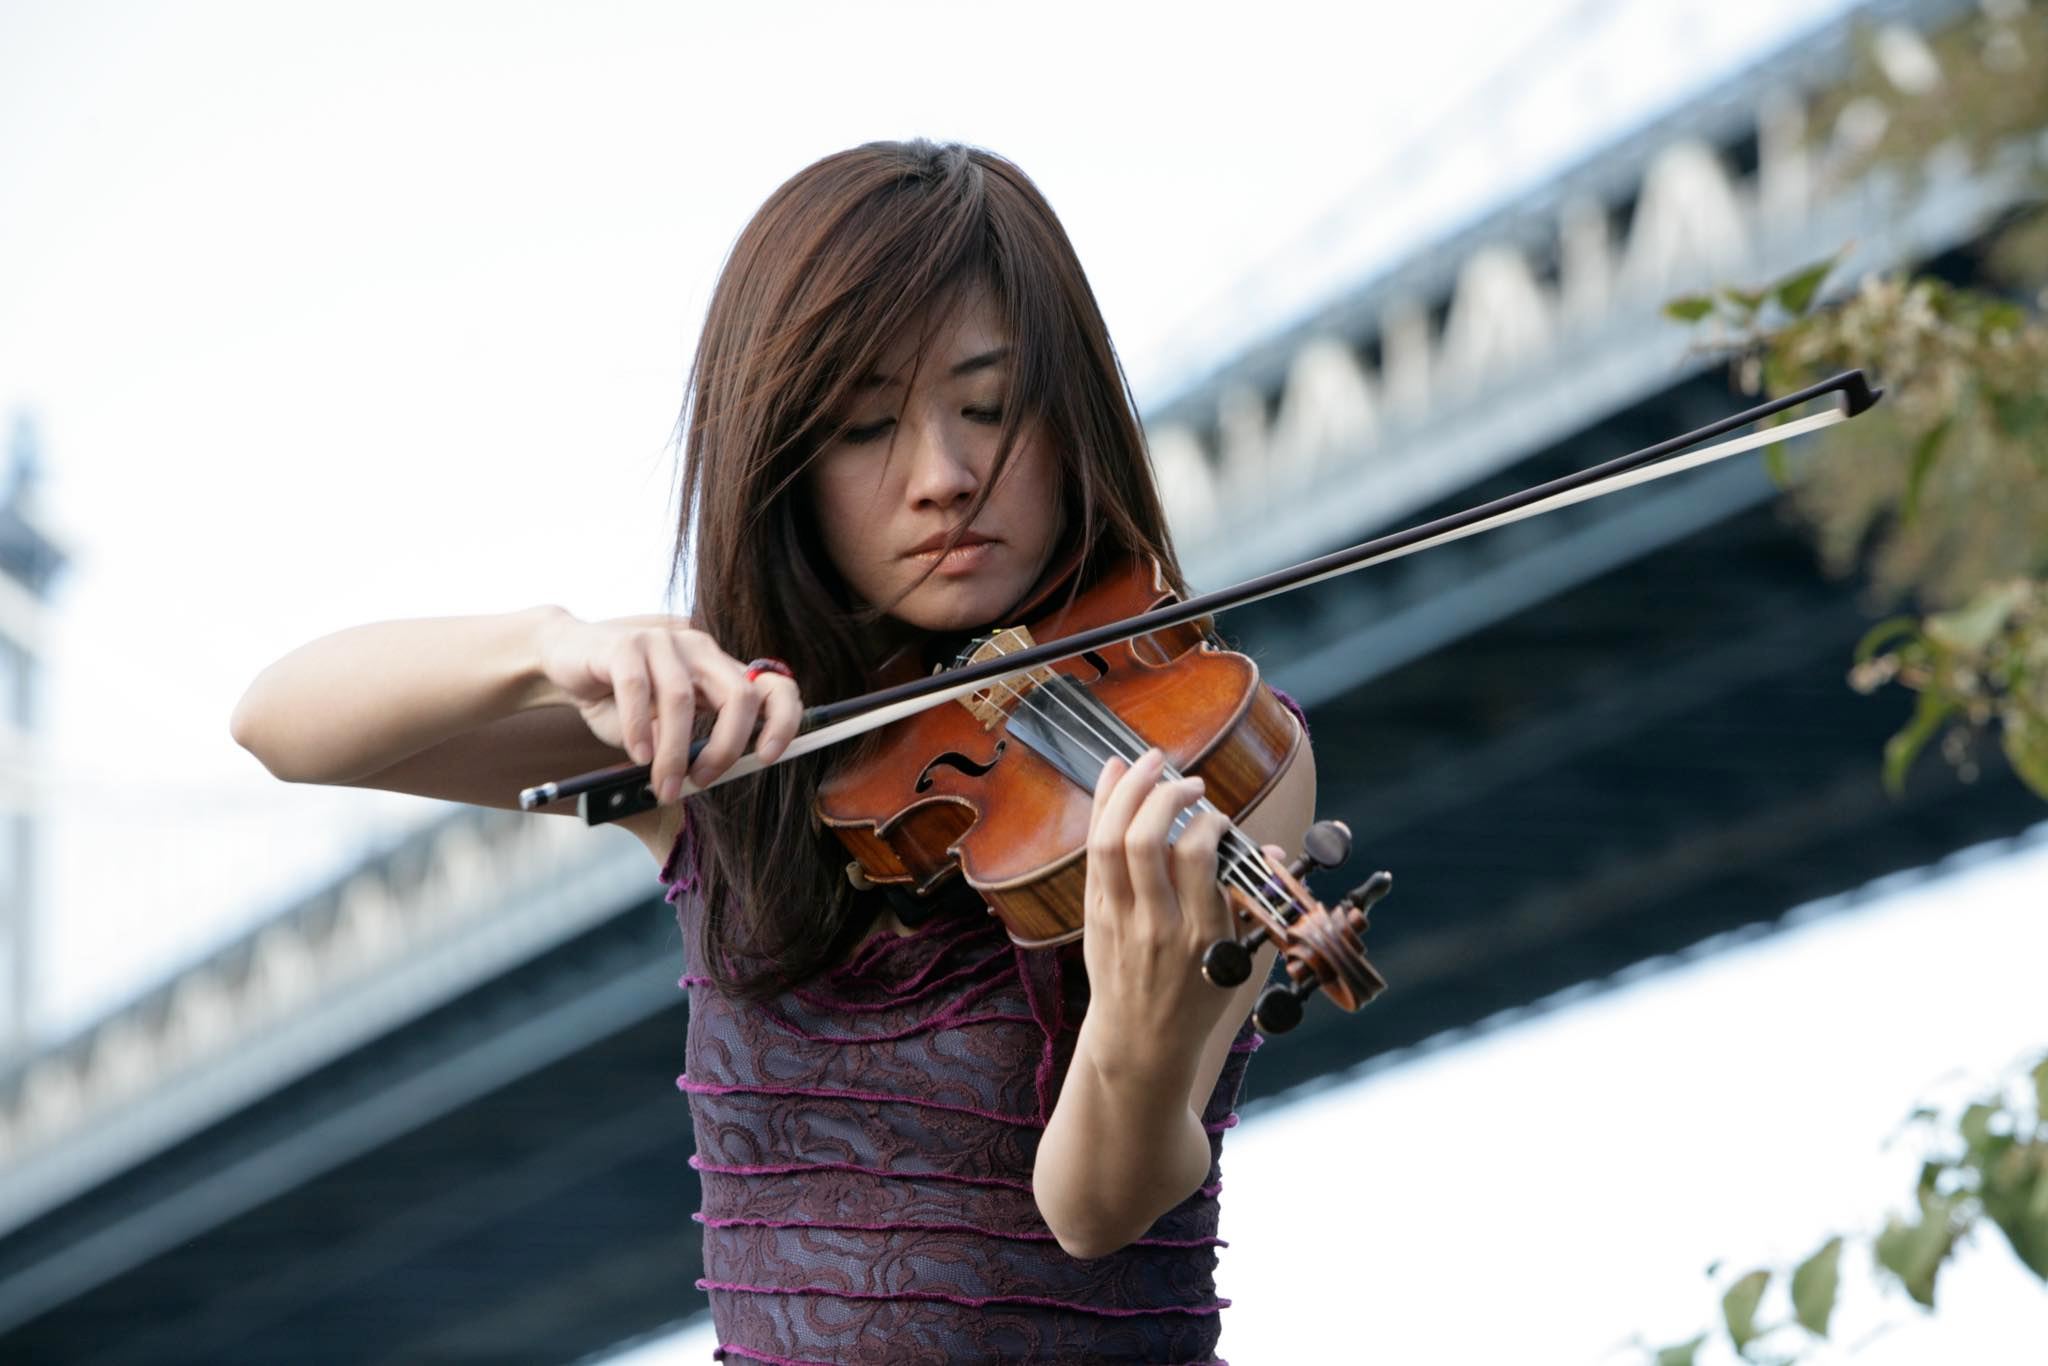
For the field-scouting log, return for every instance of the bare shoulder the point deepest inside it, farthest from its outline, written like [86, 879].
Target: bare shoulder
[657, 828]
[1288, 805]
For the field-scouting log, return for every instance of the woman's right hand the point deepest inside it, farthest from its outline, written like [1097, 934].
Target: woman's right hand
[640, 682]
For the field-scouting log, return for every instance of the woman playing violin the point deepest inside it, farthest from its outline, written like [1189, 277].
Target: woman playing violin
[905, 427]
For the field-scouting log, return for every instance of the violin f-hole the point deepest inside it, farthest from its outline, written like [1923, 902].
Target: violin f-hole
[1146, 649]
[955, 760]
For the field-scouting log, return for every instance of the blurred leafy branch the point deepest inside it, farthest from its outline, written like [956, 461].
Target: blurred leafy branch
[1941, 495]
[1941, 492]
[1987, 1161]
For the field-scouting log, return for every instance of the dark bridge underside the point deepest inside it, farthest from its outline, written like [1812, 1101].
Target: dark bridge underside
[1663, 752]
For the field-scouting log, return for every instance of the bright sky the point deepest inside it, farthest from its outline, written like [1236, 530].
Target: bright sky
[339, 313]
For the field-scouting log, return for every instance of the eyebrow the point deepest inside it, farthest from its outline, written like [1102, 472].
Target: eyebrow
[982, 361]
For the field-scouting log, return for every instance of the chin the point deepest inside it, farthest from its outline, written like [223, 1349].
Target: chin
[942, 606]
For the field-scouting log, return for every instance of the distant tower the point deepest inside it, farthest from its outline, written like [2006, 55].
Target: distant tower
[29, 560]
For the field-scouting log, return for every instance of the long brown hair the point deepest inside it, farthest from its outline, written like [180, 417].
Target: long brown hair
[839, 260]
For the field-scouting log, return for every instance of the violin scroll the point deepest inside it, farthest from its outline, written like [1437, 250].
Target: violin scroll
[1228, 962]
[1322, 947]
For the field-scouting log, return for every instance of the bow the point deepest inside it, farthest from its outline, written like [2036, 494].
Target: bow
[608, 794]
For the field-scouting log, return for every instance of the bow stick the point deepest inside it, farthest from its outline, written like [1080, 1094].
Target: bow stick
[607, 794]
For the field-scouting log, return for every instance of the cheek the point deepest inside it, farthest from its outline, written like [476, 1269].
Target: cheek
[837, 500]
[1039, 493]
[844, 506]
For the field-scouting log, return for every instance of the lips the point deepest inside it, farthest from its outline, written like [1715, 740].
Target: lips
[934, 544]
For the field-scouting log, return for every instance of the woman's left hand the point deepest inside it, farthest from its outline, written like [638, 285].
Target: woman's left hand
[1150, 910]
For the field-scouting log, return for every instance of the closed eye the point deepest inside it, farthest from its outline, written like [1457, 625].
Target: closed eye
[991, 416]
[860, 436]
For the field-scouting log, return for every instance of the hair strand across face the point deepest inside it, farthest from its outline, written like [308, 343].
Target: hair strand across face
[840, 259]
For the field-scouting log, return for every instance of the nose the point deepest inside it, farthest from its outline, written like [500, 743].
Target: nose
[942, 471]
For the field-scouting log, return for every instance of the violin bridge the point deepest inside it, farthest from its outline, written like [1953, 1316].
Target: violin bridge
[991, 706]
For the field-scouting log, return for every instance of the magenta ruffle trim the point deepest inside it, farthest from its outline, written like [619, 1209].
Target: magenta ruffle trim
[1012, 1234]
[929, 1025]
[898, 996]
[953, 1015]
[884, 946]
[798, 1168]
[1208, 1192]
[728, 1349]
[969, 1301]
[707, 1088]
[811, 998]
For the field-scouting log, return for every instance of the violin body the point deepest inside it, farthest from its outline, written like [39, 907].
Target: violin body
[952, 790]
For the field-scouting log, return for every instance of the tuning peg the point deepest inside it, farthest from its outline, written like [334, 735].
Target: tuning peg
[1369, 891]
[1326, 844]
[1226, 963]
[1279, 1008]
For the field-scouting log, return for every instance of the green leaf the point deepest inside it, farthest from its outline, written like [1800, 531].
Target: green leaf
[1900, 751]
[1924, 451]
[1814, 1282]
[1680, 1353]
[1795, 292]
[2000, 316]
[2020, 415]
[1781, 373]
[2015, 1196]
[1738, 1306]
[1914, 1252]
[1892, 1249]
[1748, 300]
[2025, 742]
[1883, 634]
[1689, 308]
[2041, 1091]
[1975, 1125]
[1974, 625]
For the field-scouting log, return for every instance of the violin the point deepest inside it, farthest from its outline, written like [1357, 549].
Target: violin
[996, 789]
[1048, 703]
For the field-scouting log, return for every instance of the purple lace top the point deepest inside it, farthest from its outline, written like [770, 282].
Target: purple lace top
[865, 1144]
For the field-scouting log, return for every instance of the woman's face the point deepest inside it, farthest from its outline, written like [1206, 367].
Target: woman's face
[895, 487]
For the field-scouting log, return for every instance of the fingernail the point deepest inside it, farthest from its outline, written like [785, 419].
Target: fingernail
[671, 788]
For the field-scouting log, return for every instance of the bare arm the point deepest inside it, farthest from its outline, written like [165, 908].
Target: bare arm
[357, 701]
[473, 709]
[1125, 1143]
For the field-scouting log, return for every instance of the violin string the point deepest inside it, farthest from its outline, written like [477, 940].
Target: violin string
[1243, 852]
[1241, 849]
